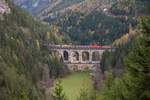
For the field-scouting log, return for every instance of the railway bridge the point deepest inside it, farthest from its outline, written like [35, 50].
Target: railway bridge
[80, 57]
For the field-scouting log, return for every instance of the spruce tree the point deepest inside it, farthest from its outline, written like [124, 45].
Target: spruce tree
[58, 92]
[138, 63]
[83, 95]
[134, 84]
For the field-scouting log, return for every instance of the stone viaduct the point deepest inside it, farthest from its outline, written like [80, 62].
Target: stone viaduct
[79, 57]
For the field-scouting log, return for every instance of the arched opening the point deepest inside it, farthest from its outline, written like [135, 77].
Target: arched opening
[85, 56]
[75, 56]
[66, 55]
[95, 56]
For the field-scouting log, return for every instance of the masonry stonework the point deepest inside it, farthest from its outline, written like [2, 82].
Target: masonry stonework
[80, 57]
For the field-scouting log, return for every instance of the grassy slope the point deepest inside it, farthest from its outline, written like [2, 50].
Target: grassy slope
[72, 84]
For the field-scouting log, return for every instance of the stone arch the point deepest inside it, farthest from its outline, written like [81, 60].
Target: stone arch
[75, 56]
[85, 56]
[66, 56]
[95, 56]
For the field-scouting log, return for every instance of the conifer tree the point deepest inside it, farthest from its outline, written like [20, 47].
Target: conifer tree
[58, 92]
[134, 84]
[138, 63]
[83, 95]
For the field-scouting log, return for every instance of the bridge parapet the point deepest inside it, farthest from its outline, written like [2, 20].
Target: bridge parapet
[79, 47]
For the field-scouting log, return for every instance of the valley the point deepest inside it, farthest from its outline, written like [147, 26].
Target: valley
[74, 49]
[76, 82]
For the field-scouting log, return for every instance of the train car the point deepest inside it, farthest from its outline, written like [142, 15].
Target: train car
[100, 47]
[107, 47]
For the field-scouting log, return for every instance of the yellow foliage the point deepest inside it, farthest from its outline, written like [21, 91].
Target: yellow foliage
[125, 38]
[38, 44]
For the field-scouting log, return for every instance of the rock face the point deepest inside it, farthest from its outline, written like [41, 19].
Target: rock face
[51, 8]
[85, 6]
[32, 6]
[19, 2]
[42, 7]
[4, 7]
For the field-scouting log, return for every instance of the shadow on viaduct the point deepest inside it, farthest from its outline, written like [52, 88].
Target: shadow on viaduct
[80, 57]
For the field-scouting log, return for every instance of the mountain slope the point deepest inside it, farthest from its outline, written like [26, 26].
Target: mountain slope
[22, 58]
[40, 6]
[84, 6]
[96, 21]
[32, 5]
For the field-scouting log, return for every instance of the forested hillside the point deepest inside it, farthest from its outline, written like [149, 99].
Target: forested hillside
[133, 82]
[85, 21]
[22, 58]
[95, 27]
[100, 22]
[127, 69]
[40, 7]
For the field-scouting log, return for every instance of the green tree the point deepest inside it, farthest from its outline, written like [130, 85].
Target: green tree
[58, 92]
[83, 95]
[134, 84]
[138, 62]
[56, 66]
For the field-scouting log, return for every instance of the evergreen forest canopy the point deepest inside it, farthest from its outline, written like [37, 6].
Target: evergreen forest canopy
[99, 26]
[98, 21]
[133, 83]
[22, 58]
[95, 27]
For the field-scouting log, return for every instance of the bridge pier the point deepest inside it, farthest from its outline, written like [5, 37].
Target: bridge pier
[80, 57]
[90, 57]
